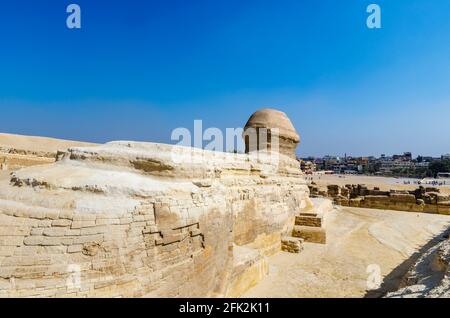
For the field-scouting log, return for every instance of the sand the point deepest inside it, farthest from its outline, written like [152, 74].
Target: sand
[32, 151]
[357, 238]
[41, 144]
[4, 175]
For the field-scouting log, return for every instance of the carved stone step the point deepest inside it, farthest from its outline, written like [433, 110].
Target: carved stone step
[308, 221]
[291, 244]
[307, 214]
[310, 234]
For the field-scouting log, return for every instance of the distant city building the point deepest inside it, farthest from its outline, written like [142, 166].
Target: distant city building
[388, 167]
[443, 175]
[397, 165]
[407, 156]
[427, 159]
[423, 164]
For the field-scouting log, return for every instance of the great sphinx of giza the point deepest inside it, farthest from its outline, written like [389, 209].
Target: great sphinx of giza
[126, 219]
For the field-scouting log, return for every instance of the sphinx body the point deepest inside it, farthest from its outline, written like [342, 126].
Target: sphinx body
[130, 219]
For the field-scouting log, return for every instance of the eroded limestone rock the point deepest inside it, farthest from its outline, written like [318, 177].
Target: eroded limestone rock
[134, 219]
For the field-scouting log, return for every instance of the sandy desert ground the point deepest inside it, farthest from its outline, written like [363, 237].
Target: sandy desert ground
[4, 175]
[356, 239]
[38, 144]
[22, 151]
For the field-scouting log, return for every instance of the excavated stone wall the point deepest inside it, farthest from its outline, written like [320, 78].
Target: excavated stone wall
[132, 219]
[12, 159]
[427, 200]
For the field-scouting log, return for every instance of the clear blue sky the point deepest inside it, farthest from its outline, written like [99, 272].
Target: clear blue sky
[138, 69]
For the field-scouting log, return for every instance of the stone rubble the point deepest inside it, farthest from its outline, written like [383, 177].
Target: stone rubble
[423, 199]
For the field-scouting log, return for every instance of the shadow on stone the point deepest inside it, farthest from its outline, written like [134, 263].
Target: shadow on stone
[393, 280]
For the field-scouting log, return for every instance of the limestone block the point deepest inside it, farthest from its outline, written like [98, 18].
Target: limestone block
[98, 238]
[73, 232]
[333, 190]
[14, 231]
[312, 214]
[126, 220]
[84, 217]
[45, 223]
[402, 198]
[31, 260]
[11, 240]
[355, 202]
[430, 208]
[444, 208]
[310, 234]
[7, 251]
[432, 197]
[345, 192]
[62, 222]
[442, 198]
[420, 202]
[308, 221]
[66, 214]
[81, 224]
[93, 230]
[377, 199]
[74, 248]
[291, 244]
[110, 221]
[418, 207]
[52, 215]
[55, 231]
[47, 240]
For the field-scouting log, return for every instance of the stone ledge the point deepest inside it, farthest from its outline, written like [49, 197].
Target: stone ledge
[310, 234]
[291, 244]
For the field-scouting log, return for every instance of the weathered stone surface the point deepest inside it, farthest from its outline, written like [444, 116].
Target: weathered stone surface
[130, 226]
[249, 268]
[333, 190]
[18, 151]
[429, 277]
[308, 221]
[426, 200]
[268, 129]
[310, 234]
[291, 244]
